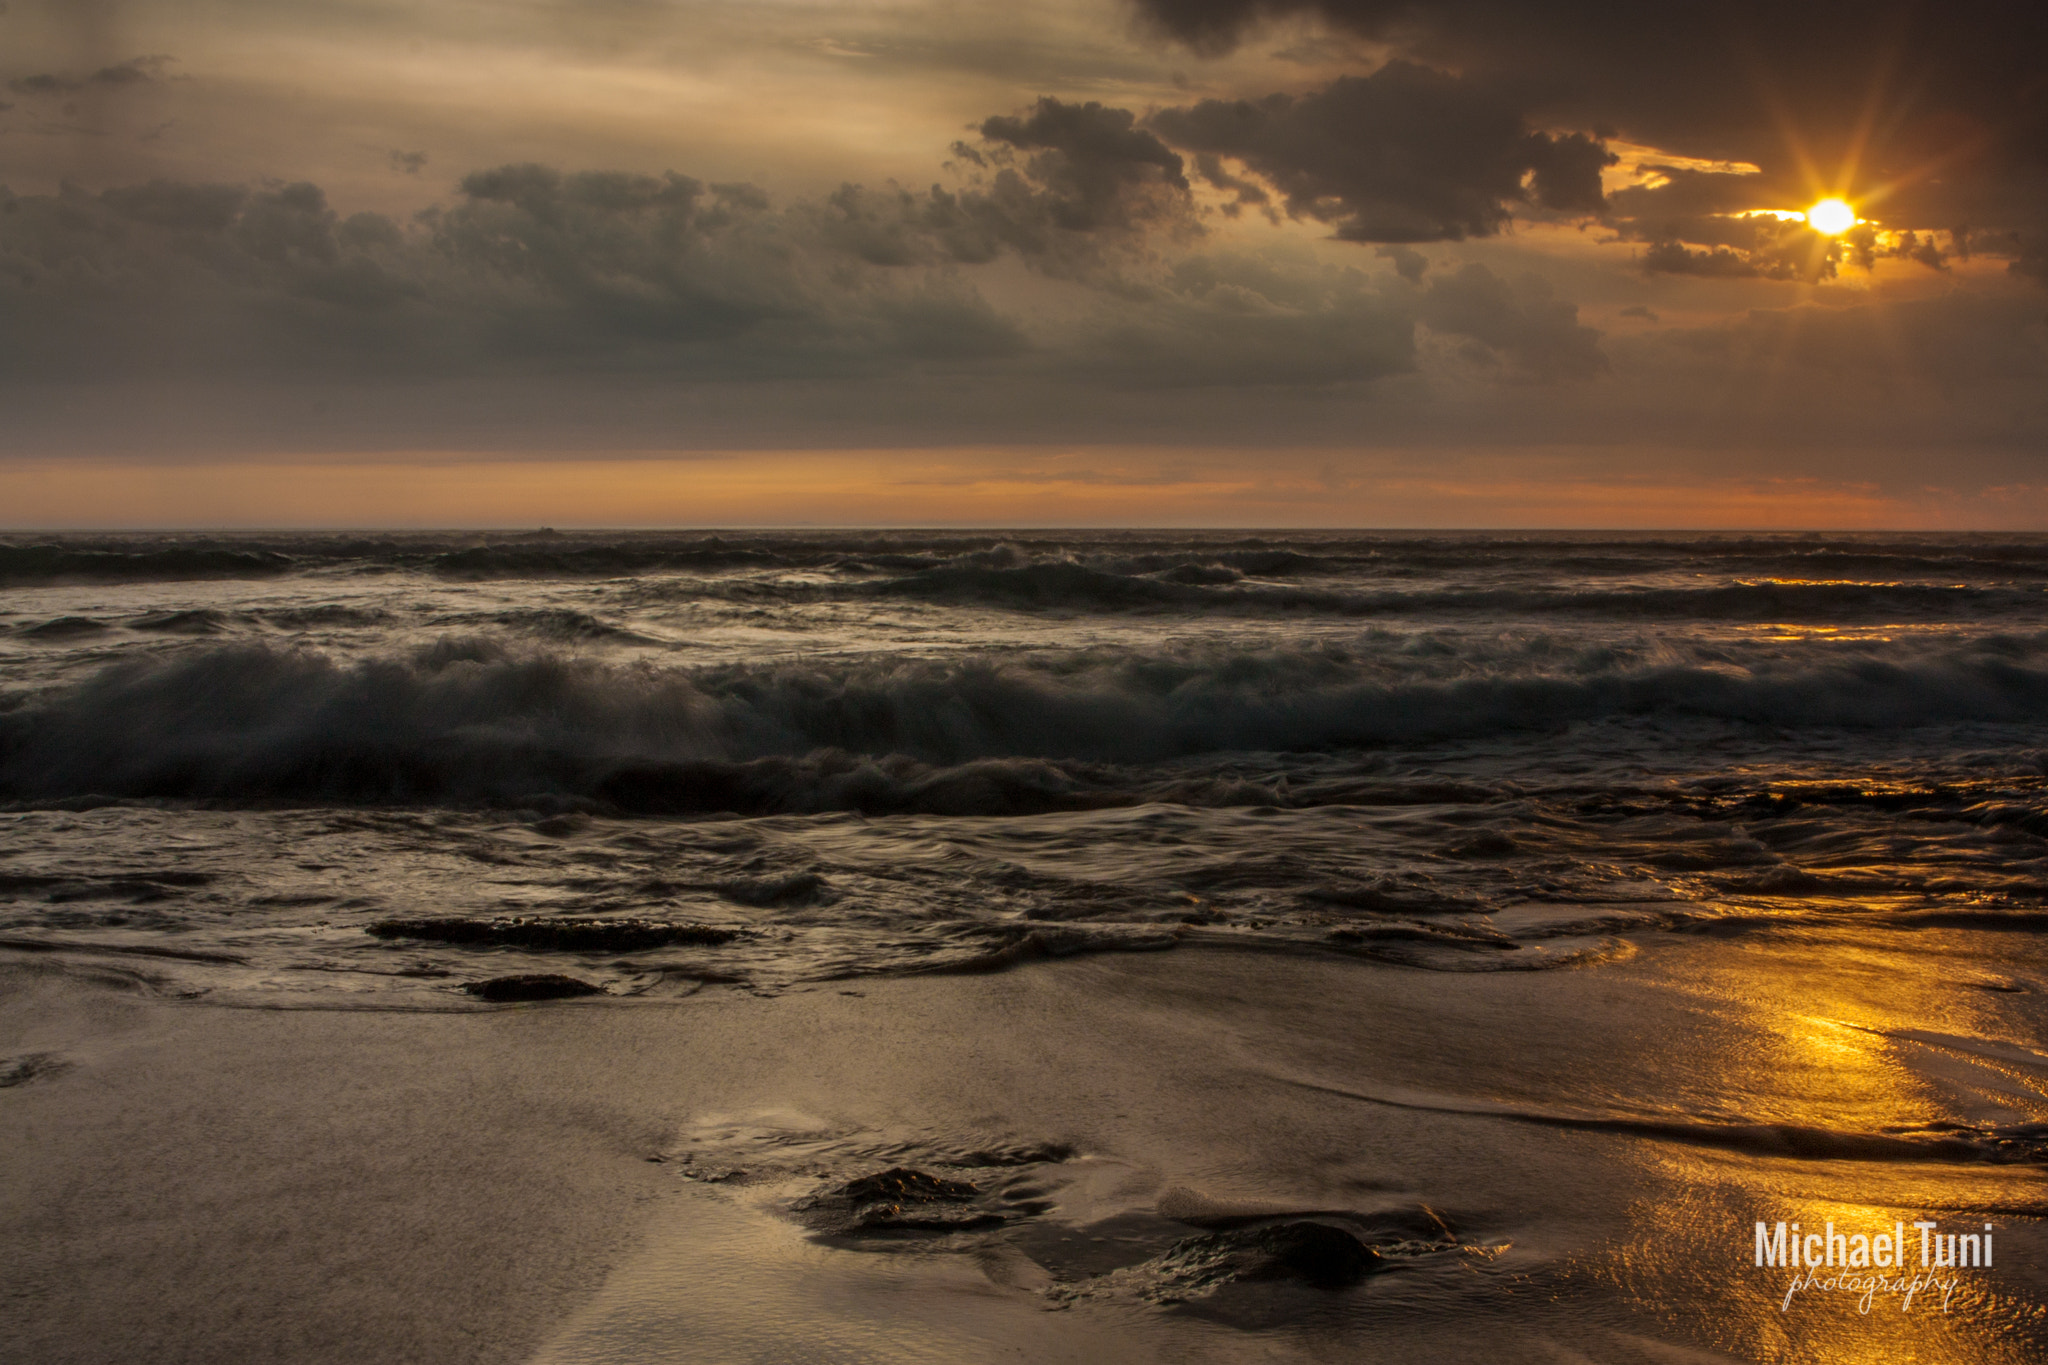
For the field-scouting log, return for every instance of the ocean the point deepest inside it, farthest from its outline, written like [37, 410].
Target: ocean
[1721, 849]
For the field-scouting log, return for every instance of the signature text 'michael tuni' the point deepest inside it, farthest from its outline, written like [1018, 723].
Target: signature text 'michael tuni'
[1884, 1250]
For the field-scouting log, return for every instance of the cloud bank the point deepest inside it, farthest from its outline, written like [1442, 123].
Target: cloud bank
[1934, 117]
[1442, 225]
[528, 269]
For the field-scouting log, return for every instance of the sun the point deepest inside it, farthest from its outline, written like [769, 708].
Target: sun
[1831, 217]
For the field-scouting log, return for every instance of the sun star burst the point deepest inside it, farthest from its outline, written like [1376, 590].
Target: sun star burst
[1831, 217]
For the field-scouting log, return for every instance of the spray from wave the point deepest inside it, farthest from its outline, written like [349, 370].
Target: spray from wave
[473, 720]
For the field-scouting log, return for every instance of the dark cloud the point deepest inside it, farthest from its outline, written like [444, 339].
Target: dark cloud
[2032, 261]
[530, 266]
[1066, 186]
[1532, 334]
[1092, 161]
[1407, 154]
[1564, 171]
[182, 208]
[410, 163]
[668, 272]
[1914, 247]
[170, 278]
[1073, 189]
[1938, 114]
[1409, 263]
[1710, 211]
[533, 271]
[892, 226]
[1233, 320]
[1978, 357]
[289, 226]
[1679, 197]
[1709, 79]
[134, 71]
[1245, 193]
[1674, 258]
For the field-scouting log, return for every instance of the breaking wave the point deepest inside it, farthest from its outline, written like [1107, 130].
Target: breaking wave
[475, 720]
[23, 564]
[1073, 585]
[1361, 574]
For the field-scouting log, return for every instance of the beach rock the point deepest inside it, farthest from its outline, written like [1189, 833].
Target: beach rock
[502, 989]
[1319, 1254]
[910, 1218]
[900, 1199]
[901, 1184]
[574, 934]
[30, 1066]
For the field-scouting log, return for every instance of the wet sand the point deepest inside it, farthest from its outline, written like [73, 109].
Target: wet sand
[184, 1181]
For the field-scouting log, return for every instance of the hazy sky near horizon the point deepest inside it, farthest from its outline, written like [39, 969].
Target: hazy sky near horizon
[1267, 261]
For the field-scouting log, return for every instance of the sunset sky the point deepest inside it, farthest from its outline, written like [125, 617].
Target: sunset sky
[1101, 262]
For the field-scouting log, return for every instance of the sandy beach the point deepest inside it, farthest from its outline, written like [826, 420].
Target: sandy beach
[191, 1182]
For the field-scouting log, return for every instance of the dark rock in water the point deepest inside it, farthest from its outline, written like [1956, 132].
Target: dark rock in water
[575, 935]
[1318, 1254]
[501, 989]
[898, 1200]
[910, 1218]
[901, 1184]
[21, 1070]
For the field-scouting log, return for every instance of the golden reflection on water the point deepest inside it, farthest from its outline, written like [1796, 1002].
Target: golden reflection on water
[1876, 1039]
[1882, 635]
[1875, 632]
[1773, 582]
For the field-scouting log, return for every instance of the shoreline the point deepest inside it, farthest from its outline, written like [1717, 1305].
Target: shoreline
[245, 1184]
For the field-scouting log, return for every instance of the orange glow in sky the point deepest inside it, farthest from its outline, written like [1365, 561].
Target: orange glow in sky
[1086, 486]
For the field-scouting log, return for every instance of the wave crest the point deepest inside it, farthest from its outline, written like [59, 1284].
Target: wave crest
[470, 719]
